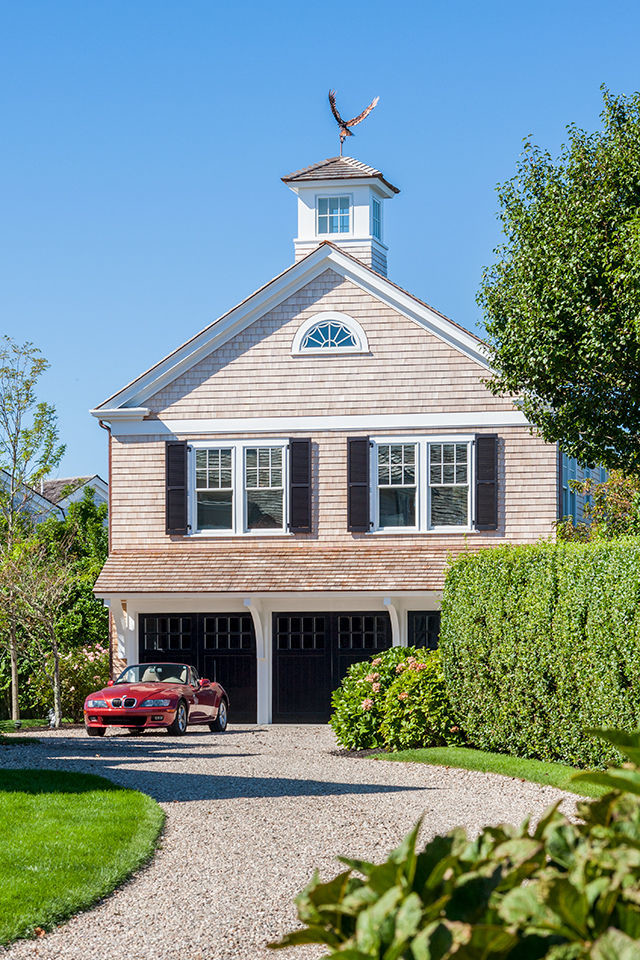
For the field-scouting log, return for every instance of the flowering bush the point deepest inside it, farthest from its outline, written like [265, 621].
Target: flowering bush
[357, 704]
[82, 670]
[416, 711]
[397, 700]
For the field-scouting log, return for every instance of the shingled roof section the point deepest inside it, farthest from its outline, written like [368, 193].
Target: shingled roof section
[251, 569]
[54, 490]
[338, 168]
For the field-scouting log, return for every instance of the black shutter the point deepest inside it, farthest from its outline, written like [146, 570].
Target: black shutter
[358, 512]
[176, 486]
[487, 482]
[300, 486]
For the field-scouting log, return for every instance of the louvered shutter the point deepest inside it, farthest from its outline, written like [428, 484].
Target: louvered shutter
[487, 482]
[176, 486]
[358, 512]
[300, 486]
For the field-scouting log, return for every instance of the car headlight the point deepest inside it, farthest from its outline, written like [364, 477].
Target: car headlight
[155, 703]
[97, 704]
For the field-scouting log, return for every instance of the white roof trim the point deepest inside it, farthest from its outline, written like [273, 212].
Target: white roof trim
[128, 402]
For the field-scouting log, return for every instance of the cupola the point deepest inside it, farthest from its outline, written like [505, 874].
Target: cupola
[341, 200]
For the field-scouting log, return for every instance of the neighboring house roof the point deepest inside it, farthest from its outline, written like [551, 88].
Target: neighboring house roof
[275, 568]
[338, 168]
[38, 505]
[60, 489]
[128, 403]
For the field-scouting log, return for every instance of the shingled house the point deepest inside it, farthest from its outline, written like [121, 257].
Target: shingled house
[287, 485]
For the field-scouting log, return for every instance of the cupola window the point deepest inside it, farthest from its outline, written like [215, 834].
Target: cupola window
[330, 332]
[333, 215]
[376, 219]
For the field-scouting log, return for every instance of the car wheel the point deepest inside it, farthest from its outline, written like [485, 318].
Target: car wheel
[95, 731]
[219, 725]
[179, 725]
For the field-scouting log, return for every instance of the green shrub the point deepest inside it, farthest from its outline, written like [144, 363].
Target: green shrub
[82, 670]
[416, 710]
[540, 642]
[358, 703]
[566, 890]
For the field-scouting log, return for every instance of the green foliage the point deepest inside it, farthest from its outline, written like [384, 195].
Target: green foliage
[540, 642]
[562, 302]
[358, 703]
[417, 712]
[398, 699]
[612, 510]
[565, 890]
[82, 670]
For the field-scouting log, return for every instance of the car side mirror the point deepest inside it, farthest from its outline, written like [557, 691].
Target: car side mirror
[109, 683]
[205, 683]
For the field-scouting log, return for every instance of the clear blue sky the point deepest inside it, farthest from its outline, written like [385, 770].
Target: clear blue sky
[143, 144]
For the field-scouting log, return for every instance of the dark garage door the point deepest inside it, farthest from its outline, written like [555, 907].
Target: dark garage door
[311, 654]
[221, 647]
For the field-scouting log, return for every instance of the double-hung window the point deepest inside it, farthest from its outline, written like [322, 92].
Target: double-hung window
[214, 488]
[448, 484]
[333, 214]
[239, 487]
[397, 491]
[421, 484]
[264, 489]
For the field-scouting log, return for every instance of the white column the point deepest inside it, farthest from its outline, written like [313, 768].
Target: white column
[395, 615]
[261, 625]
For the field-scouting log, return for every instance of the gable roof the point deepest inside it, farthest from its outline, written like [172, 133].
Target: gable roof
[57, 490]
[128, 403]
[338, 168]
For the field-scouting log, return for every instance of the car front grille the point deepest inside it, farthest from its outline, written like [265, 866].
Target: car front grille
[117, 703]
[129, 702]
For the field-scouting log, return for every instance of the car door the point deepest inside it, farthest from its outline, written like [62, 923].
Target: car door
[198, 712]
[207, 699]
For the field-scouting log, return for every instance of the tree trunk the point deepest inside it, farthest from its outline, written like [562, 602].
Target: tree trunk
[13, 654]
[57, 691]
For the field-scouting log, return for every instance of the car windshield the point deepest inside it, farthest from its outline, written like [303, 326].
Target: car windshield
[155, 673]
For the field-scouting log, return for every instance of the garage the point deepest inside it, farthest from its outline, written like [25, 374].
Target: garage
[311, 654]
[221, 646]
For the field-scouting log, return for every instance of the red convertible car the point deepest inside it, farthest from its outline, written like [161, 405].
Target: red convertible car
[148, 695]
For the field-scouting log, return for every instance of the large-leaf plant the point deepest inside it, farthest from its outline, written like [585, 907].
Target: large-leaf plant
[562, 890]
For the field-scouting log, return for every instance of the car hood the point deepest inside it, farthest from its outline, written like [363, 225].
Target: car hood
[141, 691]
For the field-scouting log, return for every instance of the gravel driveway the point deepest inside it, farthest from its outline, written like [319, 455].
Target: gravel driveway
[250, 814]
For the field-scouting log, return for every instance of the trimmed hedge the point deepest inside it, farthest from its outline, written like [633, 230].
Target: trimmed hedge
[540, 643]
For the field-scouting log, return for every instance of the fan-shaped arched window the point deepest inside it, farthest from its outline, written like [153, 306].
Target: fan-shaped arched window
[330, 332]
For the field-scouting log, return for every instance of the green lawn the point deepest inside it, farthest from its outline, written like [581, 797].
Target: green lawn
[66, 840]
[7, 726]
[536, 771]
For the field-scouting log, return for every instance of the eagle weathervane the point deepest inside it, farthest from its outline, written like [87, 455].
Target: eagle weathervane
[344, 125]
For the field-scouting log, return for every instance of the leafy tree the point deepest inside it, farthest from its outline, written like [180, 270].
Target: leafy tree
[562, 303]
[612, 510]
[29, 450]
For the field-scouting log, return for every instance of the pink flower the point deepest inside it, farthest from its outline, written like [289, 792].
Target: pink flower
[372, 677]
[367, 703]
[375, 687]
[403, 695]
[374, 663]
[400, 667]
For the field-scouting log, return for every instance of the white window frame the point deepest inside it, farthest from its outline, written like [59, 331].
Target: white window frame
[327, 316]
[238, 456]
[423, 487]
[335, 196]
[377, 236]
